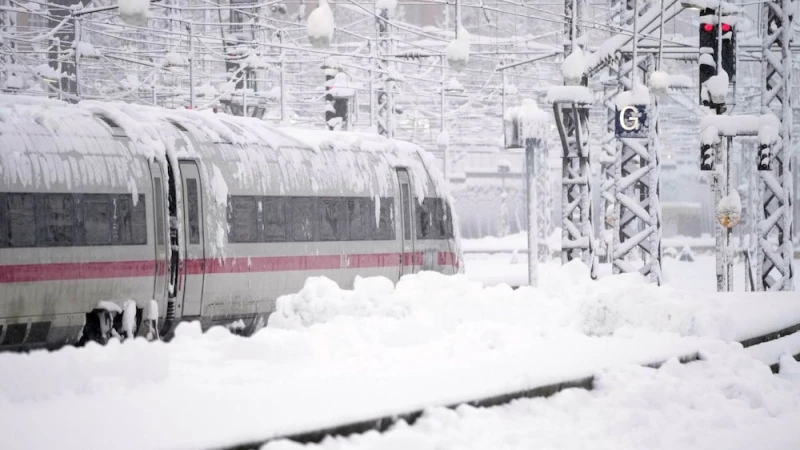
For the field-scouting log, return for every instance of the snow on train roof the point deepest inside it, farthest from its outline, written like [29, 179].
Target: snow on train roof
[97, 158]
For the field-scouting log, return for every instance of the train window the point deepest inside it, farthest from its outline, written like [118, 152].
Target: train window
[333, 219]
[21, 220]
[158, 194]
[3, 225]
[301, 218]
[361, 212]
[274, 219]
[447, 220]
[131, 223]
[194, 213]
[385, 229]
[425, 219]
[97, 219]
[244, 219]
[58, 226]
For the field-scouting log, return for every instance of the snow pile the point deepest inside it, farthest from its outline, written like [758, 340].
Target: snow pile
[525, 121]
[86, 50]
[729, 209]
[566, 299]
[572, 94]
[134, 12]
[717, 87]
[458, 50]
[321, 300]
[389, 5]
[574, 67]
[659, 82]
[638, 95]
[320, 25]
[453, 85]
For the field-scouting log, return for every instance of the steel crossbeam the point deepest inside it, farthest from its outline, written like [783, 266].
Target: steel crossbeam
[774, 246]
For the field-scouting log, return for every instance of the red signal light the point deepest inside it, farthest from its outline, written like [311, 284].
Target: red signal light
[726, 27]
[709, 27]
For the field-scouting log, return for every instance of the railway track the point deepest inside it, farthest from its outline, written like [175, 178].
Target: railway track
[383, 423]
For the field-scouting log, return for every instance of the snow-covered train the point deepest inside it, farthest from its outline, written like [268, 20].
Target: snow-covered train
[116, 216]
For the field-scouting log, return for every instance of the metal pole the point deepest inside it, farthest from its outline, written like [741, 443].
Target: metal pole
[660, 38]
[282, 81]
[635, 42]
[531, 145]
[443, 127]
[458, 17]
[77, 25]
[244, 93]
[728, 231]
[191, 66]
[719, 38]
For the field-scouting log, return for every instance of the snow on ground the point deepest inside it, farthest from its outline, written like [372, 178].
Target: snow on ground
[725, 402]
[331, 356]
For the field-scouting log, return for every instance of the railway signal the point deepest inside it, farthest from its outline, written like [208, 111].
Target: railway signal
[717, 45]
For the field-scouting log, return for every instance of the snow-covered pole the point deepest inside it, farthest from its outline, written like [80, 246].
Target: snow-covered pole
[444, 140]
[660, 37]
[190, 57]
[458, 17]
[76, 23]
[635, 42]
[532, 145]
[385, 100]
[282, 69]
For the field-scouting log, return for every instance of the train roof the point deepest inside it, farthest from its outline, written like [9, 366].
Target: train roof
[39, 135]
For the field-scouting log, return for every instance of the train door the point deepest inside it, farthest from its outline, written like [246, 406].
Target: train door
[194, 253]
[159, 231]
[407, 222]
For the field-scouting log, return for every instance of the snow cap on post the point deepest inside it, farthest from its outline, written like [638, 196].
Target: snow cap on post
[134, 12]
[320, 25]
[458, 50]
[524, 122]
[639, 95]
[574, 67]
[389, 5]
[659, 82]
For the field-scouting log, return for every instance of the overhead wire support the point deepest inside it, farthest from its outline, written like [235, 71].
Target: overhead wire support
[774, 248]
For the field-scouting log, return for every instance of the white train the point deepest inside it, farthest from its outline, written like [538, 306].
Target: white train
[195, 216]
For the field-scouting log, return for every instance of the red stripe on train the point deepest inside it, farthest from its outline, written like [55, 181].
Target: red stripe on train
[127, 269]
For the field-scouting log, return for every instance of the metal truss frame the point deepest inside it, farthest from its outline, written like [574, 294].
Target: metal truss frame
[577, 234]
[774, 247]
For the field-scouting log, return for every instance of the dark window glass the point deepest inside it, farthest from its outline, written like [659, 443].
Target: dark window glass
[406, 198]
[59, 220]
[426, 218]
[274, 219]
[3, 222]
[131, 224]
[385, 229]
[448, 220]
[244, 219]
[333, 219]
[97, 219]
[194, 210]
[301, 218]
[21, 220]
[360, 214]
[158, 194]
